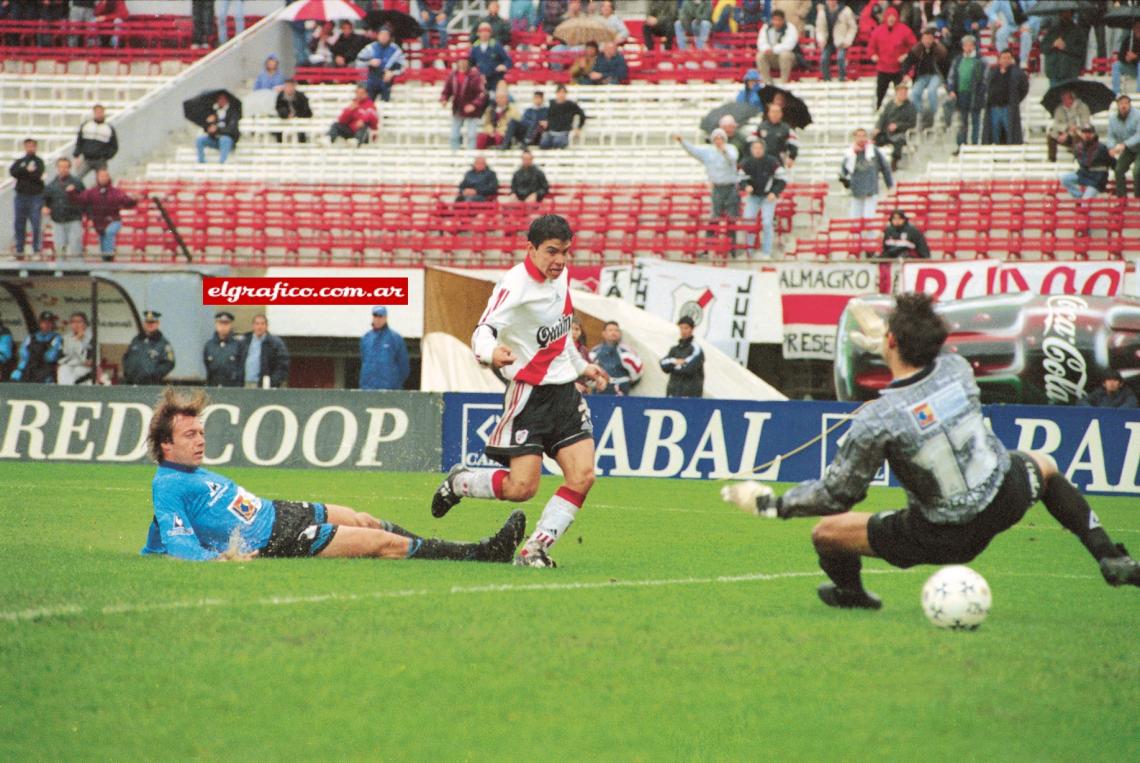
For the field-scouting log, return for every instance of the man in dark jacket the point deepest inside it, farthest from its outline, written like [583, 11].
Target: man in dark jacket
[489, 57]
[961, 18]
[97, 141]
[902, 240]
[224, 354]
[29, 173]
[383, 355]
[103, 205]
[1093, 164]
[930, 60]
[221, 131]
[467, 92]
[266, 358]
[619, 360]
[764, 182]
[1111, 394]
[66, 216]
[348, 45]
[780, 140]
[480, 183]
[500, 28]
[898, 116]
[529, 182]
[1006, 88]
[39, 353]
[610, 67]
[966, 89]
[528, 129]
[293, 104]
[559, 123]
[685, 364]
[149, 358]
[659, 22]
[1064, 49]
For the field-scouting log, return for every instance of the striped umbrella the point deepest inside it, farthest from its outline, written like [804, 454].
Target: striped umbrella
[321, 10]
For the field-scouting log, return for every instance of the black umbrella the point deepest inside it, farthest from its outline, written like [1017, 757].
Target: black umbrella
[1123, 17]
[1096, 95]
[1055, 7]
[403, 26]
[795, 110]
[741, 112]
[198, 108]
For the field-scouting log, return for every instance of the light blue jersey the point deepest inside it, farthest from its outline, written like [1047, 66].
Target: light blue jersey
[196, 511]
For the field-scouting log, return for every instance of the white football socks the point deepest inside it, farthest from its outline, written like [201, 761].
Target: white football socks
[557, 517]
[478, 483]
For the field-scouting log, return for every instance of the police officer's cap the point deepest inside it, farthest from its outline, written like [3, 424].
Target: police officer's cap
[151, 316]
[224, 316]
[48, 315]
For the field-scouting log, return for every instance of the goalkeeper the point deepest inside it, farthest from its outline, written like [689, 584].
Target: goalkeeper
[200, 515]
[963, 488]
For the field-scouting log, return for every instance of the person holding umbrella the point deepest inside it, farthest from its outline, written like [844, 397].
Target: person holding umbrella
[1124, 137]
[1068, 117]
[220, 128]
[383, 60]
[1064, 49]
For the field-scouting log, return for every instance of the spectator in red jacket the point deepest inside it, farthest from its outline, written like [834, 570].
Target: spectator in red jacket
[358, 119]
[467, 91]
[112, 11]
[102, 205]
[888, 48]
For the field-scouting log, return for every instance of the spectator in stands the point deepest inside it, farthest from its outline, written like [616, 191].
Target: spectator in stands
[529, 182]
[736, 137]
[863, 164]
[29, 197]
[500, 123]
[929, 59]
[383, 355]
[489, 57]
[434, 15]
[1001, 22]
[80, 12]
[1068, 117]
[888, 47]
[751, 13]
[1111, 394]
[1029, 32]
[965, 88]
[959, 19]
[103, 206]
[578, 336]
[1124, 137]
[467, 92]
[270, 77]
[720, 160]
[552, 13]
[776, 46]
[383, 60]
[358, 120]
[77, 356]
[221, 132]
[480, 183]
[223, 19]
[619, 360]
[1093, 164]
[1064, 49]
[835, 30]
[149, 357]
[685, 364]
[660, 22]
[266, 357]
[610, 67]
[39, 353]
[293, 104]
[500, 27]
[97, 142]
[750, 93]
[695, 18]
[347, 45]
[898, 116]
[1127, 59]
[763, 182]
[318, 49]
[903, 240]
[583, 65]
[1006, 87]
[529, 130]
[224, 354]
[870, 18]
[112, 12]
[202, 15]
[559, 122]
[615, 24]
[66, 217]
[780, 140]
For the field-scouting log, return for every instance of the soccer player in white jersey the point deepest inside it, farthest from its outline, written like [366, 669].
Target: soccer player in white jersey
[524, 334]
[963, 487]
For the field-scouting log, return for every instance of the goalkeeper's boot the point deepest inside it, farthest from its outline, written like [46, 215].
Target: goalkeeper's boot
[501, 546]
[533, 554]
[445, 496]
[845, 598]
[1120, 570]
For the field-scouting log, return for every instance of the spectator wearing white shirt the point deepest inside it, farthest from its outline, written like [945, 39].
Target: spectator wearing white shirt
[775, 46]
[615, 24]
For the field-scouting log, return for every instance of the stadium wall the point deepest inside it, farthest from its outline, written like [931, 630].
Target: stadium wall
[414, 431]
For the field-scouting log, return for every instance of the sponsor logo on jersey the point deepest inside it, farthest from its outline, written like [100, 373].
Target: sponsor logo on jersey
[924, 415]
[180, 527]
[245, 506]
[216, 489]
[549, 334]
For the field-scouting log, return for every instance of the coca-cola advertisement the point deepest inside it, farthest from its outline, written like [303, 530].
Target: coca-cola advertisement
[1024, 348]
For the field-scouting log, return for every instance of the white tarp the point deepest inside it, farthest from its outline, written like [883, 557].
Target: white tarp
[449, 366]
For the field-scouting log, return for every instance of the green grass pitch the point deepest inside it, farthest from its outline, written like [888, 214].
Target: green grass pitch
[675, 628]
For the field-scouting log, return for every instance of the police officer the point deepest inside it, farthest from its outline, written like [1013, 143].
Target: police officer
[7, 351]
[40, 353]
[150, 357]
[224, 354]
[685, 363]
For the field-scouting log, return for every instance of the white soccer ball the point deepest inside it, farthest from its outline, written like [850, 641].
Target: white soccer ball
[956, 598]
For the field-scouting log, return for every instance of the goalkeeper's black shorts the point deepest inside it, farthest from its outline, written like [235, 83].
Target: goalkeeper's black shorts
[299, 529]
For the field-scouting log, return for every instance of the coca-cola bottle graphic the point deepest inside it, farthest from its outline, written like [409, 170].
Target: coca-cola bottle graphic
[1024, 348]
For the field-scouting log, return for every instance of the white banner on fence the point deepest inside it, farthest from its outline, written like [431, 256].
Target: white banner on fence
[979, 278]
[813, 297]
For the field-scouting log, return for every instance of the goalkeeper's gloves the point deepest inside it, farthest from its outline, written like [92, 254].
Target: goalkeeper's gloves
[872, 331]
[751, 497]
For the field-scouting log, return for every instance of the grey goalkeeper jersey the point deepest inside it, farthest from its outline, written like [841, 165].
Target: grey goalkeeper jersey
[930, 430]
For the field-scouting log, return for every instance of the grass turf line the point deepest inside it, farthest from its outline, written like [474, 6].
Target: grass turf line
[587, 669]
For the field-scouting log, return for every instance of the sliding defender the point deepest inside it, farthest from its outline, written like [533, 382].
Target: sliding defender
[963, 488]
